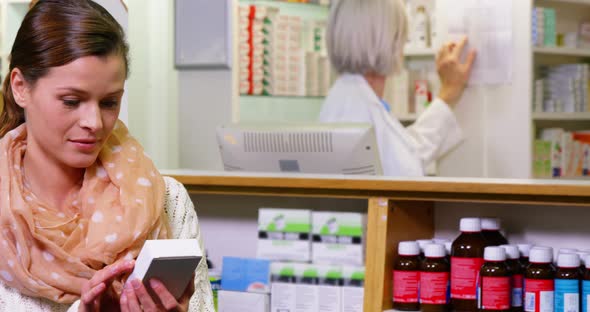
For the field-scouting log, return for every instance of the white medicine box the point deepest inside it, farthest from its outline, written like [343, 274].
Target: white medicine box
[338, 238]
[284, 234]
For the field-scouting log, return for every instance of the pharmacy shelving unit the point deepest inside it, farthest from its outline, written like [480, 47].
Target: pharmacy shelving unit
[297, 108]
[569, 15]
[12, 13]
[399, 209]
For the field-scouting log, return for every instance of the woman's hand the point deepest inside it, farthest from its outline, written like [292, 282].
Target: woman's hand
[136, 298]
[93, 290]
[453, 74]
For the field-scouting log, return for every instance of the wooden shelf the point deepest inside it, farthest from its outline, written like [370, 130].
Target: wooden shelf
[429, 52]
[538, 191]
[585, 116]
[579, 2]
[562, 51]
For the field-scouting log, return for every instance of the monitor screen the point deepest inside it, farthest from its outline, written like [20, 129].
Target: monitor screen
[330, 148]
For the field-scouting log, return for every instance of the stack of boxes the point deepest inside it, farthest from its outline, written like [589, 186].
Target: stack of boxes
[319, 75]
[564, 89]
[332, 241]
[543, 27]
[559, 153]
[283, 56]
[251, 37]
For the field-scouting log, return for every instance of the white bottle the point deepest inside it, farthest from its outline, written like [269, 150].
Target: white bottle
[420, 29]
[432, 25]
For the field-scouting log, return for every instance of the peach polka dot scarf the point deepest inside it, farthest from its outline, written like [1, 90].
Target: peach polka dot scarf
[50, 253]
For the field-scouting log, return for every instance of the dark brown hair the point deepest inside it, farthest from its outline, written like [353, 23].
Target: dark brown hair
[55, 33]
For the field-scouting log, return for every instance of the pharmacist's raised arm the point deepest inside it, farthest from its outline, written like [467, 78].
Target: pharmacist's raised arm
[453, 73]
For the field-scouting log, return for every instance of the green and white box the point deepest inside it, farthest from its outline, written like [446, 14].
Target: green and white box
[283, 286]
[329, 288]
[283, 234]
[353, 291]
[338, 238]
[307, 288]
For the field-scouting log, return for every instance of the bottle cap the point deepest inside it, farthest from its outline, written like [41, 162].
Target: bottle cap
[567, 250]
[448, 247]
[524, 249]
[494, 254]
[511, 251]
[470, 225]
[568, 260]
[490, 224]
[408, 248]
[440, 240]
[422, 244]
[541, 255]
[435, 251]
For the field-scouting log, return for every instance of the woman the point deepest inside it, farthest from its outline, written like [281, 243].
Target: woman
[365, 45]
[78, 196]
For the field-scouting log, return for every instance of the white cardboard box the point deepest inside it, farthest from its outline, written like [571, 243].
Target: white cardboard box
[231, 301]
[172, 261]
[283, 234]
[338, 238]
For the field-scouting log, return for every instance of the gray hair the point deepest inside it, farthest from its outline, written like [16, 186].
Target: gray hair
[367, 36]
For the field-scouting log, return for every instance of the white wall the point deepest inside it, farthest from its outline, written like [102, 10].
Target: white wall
[497, 119]
[153, 84]
[205, 98]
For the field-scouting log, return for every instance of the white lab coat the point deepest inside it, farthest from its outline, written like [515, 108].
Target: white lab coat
[403, 151]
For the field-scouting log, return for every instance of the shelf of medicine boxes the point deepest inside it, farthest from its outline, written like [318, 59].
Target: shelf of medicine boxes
[397, 208]
[578, 116]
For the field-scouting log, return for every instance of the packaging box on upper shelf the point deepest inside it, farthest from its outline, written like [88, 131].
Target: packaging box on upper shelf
[246, 275]
[283, 234]
[353, 290]
[231, 301]
[338, 238]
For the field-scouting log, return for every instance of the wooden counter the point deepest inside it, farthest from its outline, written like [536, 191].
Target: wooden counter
[397, 209]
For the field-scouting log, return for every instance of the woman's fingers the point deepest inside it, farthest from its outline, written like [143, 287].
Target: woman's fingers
[132, 302]
[166, 298]
[144, 297]
[92, 294]
[111, 271]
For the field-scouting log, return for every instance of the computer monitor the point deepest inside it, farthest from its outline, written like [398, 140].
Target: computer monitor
[330, 148]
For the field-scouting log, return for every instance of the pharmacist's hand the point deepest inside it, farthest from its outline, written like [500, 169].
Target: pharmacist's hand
[93, 294]
[453, 74]
[135, 297]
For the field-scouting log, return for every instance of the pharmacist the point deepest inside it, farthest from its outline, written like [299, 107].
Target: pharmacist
[365, 44]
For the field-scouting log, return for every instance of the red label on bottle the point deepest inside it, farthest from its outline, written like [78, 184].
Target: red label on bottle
[433, 287]
[464, 273]
[538, 295]
[495, 293]
[405, 286]
[517, 280]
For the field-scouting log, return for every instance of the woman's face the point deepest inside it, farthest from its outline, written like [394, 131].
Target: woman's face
[71, 111]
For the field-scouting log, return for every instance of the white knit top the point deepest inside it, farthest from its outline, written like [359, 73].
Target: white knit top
[183, 223]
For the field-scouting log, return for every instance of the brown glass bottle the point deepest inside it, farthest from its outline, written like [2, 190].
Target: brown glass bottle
[490, 229]
[495, 281]
[406, 277]
[466, 261]
[434, 280]
[517, 273]
[539, 277]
